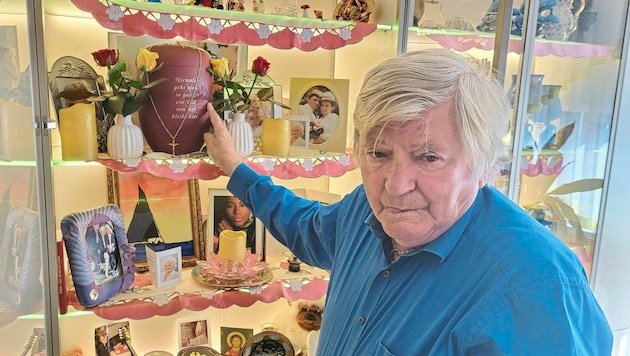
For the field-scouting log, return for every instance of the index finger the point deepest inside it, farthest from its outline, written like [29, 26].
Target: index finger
[215, 119]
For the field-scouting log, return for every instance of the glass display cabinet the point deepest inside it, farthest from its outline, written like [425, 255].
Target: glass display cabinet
[563, 64]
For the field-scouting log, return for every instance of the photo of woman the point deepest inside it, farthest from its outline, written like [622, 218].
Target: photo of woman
[231, 214]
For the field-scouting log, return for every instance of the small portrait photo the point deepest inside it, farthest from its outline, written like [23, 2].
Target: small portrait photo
[194, 332]
[165, 266]
[111, 339]
[103, 254]
[300, 127]
[227, 212]
[233, 339]
[324, 101]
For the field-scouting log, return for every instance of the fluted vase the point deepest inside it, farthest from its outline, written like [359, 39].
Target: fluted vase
[124, 139]
[242, 134]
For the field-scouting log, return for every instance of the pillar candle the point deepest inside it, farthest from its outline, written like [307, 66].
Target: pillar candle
[77, 128]
[232, 245]
[276, 138]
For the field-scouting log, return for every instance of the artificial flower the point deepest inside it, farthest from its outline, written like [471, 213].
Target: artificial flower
[127, 93]
[260, 66]
[232, 96]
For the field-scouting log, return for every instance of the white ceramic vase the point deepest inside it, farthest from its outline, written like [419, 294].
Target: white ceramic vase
[242, 134]
[124, 139]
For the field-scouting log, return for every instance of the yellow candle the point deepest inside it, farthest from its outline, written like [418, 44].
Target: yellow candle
[276, 139]
[232, 245]
[77, 128]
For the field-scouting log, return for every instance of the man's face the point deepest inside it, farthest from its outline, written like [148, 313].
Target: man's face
[416, 177]
[313, 101]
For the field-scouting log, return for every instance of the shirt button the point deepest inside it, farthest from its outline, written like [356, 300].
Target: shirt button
[361, 320]
[386, 273]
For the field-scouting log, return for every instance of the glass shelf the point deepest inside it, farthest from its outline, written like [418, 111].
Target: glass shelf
[197, 23]
[143, 300]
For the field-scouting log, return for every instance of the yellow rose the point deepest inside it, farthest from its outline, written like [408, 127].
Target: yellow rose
[146, 58]
[220, 66]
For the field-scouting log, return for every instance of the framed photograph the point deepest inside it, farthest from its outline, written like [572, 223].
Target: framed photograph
[21, 264]
[227, 212]
[300, 129]
[193, 332]
[165, 266]
[325, 102]
[100, 258]
[111, 339]
[233, 340]
[159, 211]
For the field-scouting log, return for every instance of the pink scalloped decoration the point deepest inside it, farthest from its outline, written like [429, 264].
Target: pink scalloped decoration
[331, 166]
[462, 43]
[249, 266]
[195, 23]
[544, 164]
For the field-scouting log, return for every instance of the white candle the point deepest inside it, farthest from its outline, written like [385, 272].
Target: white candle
[232, 245]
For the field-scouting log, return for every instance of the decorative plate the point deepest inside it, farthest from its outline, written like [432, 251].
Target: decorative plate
[268, 343]
[198, 351]
[208, 280]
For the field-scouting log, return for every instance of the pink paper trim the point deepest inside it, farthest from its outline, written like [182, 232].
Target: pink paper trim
[198, 23]
[204, 169]
[463, 42]
[144, 308]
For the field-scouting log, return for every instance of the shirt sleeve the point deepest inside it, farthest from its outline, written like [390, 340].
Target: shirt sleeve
[305, 227]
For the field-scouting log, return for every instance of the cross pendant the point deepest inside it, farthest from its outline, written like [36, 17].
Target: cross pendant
[173, 144]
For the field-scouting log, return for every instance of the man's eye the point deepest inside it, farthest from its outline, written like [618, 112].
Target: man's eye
[376, 154]
[431, 158]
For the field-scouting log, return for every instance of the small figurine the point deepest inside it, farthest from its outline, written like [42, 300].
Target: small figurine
[294, 264]
[305, 8]
[319, 14]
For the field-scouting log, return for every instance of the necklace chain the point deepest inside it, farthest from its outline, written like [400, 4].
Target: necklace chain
[190, 102]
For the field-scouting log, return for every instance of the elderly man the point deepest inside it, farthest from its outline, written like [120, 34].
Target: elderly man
[426, 257]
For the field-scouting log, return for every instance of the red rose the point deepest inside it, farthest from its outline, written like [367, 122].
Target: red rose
[260, 66]
[105, 57]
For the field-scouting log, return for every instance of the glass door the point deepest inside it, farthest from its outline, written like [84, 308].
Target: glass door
[28, 270]
[560, 60]
[562, 74]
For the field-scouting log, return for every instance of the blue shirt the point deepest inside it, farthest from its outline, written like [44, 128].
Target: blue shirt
[495, 283]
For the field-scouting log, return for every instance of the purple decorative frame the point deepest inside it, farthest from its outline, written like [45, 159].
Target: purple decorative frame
[74, 229]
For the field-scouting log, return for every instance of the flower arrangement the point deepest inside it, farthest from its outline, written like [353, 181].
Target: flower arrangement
[127, 93]
[234, 97]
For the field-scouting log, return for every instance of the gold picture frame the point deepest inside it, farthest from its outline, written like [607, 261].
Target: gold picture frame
[337, 90]
[159, 206]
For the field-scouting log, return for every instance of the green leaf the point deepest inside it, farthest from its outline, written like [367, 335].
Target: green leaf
[583, 185]
[280, 104]
[563, 134]
[154, 83]
[265, 94]
[116, 103]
